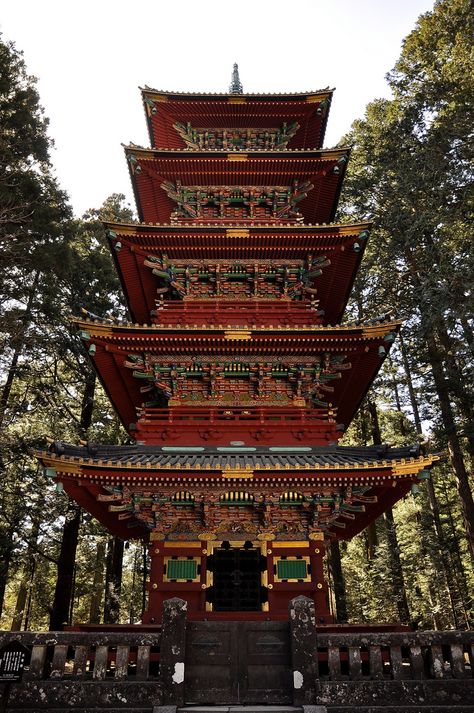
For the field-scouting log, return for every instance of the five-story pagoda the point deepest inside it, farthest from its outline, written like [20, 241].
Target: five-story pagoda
[235, 377]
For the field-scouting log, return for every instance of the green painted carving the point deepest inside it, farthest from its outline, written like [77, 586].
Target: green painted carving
[243, 383]
[240, 139]
[201, 202]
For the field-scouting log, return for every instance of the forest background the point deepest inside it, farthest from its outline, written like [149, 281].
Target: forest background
[411, 172]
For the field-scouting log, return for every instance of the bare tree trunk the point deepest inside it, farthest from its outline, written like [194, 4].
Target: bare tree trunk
[457, 384]
[338, 581]
[62, 605]
[113, 582]
[19, 345]
[372, 540]
[432, 499]
[454, 446]
[398, 404]
[27, 579]
[67, 557]
[468, 333]
[447, 415]
[411, 388]
[6, 549]
[393, 546]
[87, 405]
[98, 585]
[396, 567]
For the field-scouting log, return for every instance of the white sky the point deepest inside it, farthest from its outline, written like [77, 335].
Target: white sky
[90, 56]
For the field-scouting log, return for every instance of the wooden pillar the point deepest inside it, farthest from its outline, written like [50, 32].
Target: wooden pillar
[172, 651]
[321, 593]
[155, 593]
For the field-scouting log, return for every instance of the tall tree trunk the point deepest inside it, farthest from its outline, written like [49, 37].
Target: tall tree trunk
[457, 385]
[375, 424]
[67, 558]
[7, 548]
[113, 582]
[411, 388]
[447, 415]
[7, 534]
[398, 402]
[458, 568]
[19, 345]
[27, 579]
[98, 585]
[338, 581]
[454, 446]
[372, 540]
[64, 592]
[432, 499]
[468, 333]
[398, 580]
[87, 405]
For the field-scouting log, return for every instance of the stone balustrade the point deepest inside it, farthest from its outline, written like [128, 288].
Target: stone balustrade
[408, 671]
[136, 670]
[81, 671]
[396, 655]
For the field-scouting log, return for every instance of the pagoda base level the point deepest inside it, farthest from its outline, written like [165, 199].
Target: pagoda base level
[237, 579]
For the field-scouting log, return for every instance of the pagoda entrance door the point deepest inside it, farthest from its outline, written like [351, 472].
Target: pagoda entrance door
[236, 584]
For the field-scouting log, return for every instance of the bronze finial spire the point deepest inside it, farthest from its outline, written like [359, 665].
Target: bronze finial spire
[236, 85]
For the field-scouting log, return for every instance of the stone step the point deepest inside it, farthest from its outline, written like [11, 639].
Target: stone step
[248, 708]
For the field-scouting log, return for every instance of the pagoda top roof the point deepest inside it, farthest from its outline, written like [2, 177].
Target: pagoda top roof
[313, 95]
[306, 111]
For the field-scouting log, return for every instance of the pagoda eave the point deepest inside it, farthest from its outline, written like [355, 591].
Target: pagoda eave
[125, 494]
[166, 95]
[151, 169]
[307, 333]
[131, 246]
[361, 349]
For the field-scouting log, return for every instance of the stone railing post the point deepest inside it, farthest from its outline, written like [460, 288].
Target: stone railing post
[172, 650]
[303, 643]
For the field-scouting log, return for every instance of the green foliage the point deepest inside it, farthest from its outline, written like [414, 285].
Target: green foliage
[411, 172]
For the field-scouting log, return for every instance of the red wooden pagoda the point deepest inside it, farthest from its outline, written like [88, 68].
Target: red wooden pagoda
[236, 378]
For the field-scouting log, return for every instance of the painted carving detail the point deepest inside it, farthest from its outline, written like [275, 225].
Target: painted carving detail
[236, 202]
[237, 139]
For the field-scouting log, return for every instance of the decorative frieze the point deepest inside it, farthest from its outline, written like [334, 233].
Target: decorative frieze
[236, 203]
[236, 279]
[244, 381]
[266, 512]
[236, 139]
